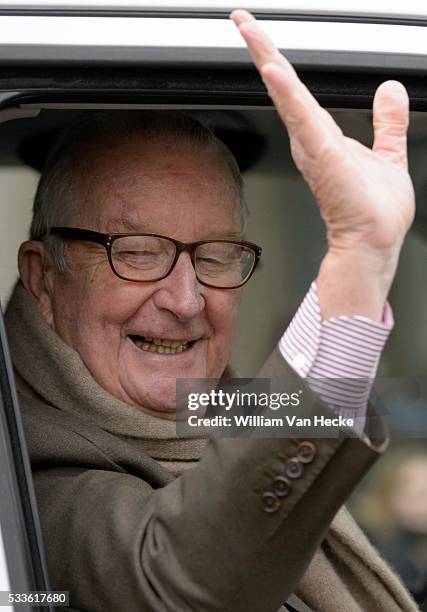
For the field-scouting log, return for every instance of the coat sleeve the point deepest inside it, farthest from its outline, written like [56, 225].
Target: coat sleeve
[227, 535]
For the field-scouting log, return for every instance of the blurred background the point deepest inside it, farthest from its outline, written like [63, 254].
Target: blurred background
[391, 502]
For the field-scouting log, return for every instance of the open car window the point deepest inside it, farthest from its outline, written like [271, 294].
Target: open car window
[58, 62]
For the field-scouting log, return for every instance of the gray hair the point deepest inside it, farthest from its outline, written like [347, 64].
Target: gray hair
[56, 200]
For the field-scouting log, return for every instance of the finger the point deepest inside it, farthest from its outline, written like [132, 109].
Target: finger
[260, 47]
[390, 122]
[308, 124]
[304, 118]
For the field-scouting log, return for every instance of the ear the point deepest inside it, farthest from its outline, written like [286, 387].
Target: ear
[37, 275]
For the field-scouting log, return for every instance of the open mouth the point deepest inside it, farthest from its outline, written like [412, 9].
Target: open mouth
[161, 345]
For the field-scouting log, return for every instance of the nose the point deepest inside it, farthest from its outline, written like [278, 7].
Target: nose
[180, 292]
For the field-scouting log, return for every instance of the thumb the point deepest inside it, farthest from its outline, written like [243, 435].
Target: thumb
[390, 121]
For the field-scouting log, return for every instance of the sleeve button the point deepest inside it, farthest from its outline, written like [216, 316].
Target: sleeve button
[299, 361]
[270, 502]
[294, 468]
[282, 487]
[306, 452]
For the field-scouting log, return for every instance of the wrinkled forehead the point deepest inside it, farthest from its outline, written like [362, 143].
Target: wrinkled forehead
[159, 186]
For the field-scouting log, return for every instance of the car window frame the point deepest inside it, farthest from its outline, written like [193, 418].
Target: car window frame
[232, 83]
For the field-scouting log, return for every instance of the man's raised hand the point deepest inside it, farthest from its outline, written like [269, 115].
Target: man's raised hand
[365, 196]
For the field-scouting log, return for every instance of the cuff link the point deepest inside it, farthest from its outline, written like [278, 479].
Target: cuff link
[299, 361]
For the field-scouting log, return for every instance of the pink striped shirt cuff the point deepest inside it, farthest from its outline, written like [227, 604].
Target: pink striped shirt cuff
[338, 356]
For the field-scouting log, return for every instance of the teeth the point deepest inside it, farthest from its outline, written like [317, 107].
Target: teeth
[161, 342]
[159, 345]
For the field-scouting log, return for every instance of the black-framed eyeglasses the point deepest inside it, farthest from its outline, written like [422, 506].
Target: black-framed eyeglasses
[223, 264]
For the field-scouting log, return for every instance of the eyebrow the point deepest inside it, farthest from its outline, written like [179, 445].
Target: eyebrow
[128, 226]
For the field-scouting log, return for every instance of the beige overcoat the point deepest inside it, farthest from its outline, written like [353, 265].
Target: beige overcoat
[136, 519]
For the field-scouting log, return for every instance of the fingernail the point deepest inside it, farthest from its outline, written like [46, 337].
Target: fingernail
[242, 15]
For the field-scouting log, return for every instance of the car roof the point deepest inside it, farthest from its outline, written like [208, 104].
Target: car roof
[371, 9]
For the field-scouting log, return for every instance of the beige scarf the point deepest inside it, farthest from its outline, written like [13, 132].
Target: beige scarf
[345, 575]
[48, 367]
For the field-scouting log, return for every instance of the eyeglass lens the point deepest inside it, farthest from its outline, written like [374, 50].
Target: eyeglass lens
[148, 258]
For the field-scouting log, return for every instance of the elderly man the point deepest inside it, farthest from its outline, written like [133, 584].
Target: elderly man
[124, 290]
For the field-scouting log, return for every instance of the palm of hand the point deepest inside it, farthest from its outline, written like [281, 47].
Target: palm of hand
[364, 197]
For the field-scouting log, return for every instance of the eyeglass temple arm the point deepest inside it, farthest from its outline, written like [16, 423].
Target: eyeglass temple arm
[81, 234]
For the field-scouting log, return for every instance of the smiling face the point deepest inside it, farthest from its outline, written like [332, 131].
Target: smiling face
[157, 187]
